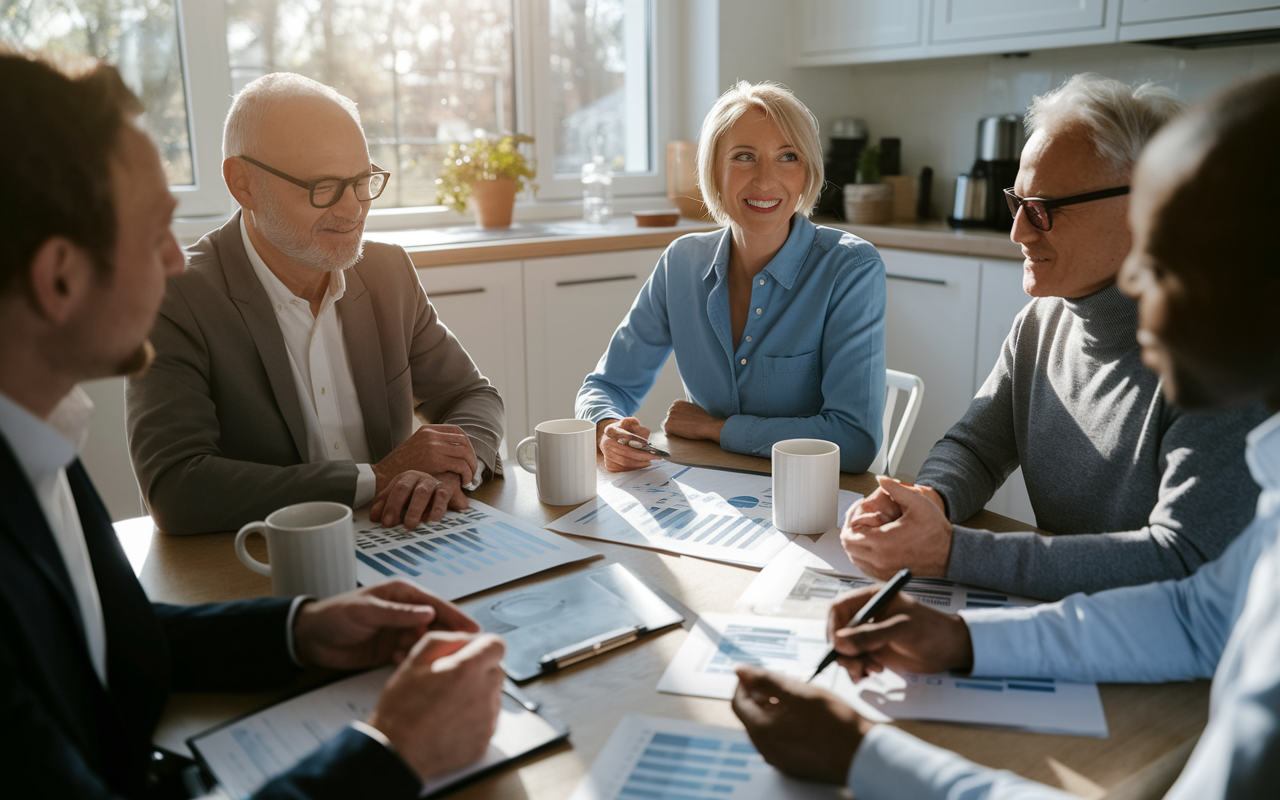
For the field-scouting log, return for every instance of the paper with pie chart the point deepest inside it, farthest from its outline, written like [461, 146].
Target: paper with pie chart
[713, 514]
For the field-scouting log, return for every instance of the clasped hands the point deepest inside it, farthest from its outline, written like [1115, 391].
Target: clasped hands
[423, 477]
[898, 525]
[811, 733]
[448, 678]
[684, 419]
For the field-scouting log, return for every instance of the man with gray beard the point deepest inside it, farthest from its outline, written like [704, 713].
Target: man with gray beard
[292, 356]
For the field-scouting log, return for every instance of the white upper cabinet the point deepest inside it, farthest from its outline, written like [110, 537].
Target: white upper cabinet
[1164, 19]
[1161, 10]
[833, 31]
[967, 20]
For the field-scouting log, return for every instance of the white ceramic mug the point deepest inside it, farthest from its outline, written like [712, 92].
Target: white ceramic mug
[312, 548]
[564, 459]
[806, 485]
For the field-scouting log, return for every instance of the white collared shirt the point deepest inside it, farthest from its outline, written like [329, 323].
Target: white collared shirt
[45, 448]
[322, 373]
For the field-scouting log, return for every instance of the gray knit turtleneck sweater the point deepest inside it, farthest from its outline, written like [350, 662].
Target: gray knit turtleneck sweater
[1145, 490]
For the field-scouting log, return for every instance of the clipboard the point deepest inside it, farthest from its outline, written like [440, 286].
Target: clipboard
[553, 624]
[246, 752]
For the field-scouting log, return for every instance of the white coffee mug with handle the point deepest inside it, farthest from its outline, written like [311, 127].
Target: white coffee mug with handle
[311, 546]
[806, 485]
[564, 459]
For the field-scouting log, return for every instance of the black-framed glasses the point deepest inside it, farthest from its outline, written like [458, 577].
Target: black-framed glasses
[326, 192]
[1038, 208]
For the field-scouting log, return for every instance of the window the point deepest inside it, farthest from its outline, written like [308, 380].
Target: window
[579, 75]
[424, 73]
[141, 38]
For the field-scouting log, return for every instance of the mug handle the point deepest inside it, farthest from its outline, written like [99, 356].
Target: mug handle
[249, 561]
[521, 450]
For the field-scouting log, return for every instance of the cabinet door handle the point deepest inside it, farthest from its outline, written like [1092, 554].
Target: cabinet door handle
[596, 280]
[913, 279]
[477, 290]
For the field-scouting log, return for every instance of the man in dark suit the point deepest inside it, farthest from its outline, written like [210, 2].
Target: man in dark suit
[292, 356]
[86, 662]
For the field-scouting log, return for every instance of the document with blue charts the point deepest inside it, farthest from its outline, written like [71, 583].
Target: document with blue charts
[670, 759]
[707, 513]
[704, 666]
[466, 552]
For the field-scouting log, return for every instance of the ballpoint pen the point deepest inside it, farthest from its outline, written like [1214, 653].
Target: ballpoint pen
[641, 444]
[865, 614]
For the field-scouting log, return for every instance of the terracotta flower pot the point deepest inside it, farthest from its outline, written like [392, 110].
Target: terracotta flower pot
[493, 201]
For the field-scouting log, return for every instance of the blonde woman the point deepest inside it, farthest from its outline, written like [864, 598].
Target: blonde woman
[777, 324]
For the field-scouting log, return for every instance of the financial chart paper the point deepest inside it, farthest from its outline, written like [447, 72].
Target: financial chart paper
[466, 552]
[711, 514]
[669, 759]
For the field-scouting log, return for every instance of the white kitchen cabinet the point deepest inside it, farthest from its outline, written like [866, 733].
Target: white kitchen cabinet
[999, 302]
[931, 325]
[483, 304]
[1066, 21]
[573, 304]
[105, 454]
[838, 31]
[1161, 19]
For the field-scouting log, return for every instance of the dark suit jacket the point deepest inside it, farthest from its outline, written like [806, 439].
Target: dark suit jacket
[62, 735]
[215, 426]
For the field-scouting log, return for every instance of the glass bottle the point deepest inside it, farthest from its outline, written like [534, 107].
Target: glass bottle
[597, 190]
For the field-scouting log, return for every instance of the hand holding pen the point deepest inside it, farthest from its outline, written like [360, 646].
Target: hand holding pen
[625, 444]
[868, 612]
[904, 635]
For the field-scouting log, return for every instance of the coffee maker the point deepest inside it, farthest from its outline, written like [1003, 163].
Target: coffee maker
[980, 199]
[848, 138]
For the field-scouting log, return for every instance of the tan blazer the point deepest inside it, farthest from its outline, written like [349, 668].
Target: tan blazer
[215, 426]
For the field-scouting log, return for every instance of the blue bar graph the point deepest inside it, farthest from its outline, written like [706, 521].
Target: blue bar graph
[675, 767]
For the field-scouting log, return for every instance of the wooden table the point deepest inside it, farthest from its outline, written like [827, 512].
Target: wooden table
[1151, 726]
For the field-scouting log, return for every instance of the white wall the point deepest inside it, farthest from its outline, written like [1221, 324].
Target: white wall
[934, 106]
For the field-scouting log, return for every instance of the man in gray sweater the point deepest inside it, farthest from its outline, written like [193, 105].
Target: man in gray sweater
[1145, 491]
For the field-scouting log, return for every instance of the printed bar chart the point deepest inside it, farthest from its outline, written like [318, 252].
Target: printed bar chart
[666, 759]
[466, 552]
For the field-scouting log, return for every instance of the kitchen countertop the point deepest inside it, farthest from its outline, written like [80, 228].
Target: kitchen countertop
[468, 244]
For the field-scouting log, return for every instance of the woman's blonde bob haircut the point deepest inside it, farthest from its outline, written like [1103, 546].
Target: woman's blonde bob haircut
[796, 122]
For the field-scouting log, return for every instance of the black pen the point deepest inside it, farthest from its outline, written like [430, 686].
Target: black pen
[874, 606]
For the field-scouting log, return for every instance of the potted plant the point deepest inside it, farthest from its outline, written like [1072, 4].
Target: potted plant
[485, 174]
[868, 201]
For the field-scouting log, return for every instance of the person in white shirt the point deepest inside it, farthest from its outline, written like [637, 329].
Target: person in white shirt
[1206, 276]
[292, 356]
[86, 660]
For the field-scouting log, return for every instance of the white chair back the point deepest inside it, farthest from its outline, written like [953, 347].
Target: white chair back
[891, 450]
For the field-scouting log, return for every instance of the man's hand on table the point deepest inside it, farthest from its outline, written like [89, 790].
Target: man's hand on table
[619, 456]
[372, 626]
[907, 636]
[423, 477]
[692, 422]
[898, 525]
[800, 729]
[440, 707]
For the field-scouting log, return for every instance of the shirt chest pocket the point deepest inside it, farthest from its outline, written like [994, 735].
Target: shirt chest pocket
[793, 385]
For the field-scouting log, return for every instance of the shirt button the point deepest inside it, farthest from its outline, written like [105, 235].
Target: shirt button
[762, 281]
[321, 390]
[337, 446]
[759, 311]
[279, 306]
[743, 361]
[748, 338]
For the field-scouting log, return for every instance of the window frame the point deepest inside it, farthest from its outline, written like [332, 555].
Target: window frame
[207, 73]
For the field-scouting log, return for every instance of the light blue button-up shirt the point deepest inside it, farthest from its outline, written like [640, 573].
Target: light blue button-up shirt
[811, 360]
[1223, 621]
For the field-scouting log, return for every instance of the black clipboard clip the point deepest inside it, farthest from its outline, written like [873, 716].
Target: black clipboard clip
[581, 651]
